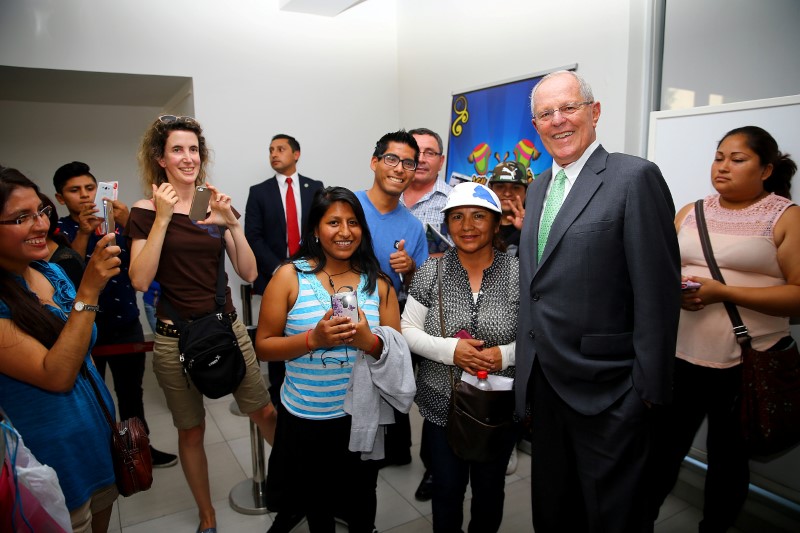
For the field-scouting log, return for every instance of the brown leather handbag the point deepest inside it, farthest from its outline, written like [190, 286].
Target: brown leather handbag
[130, 449]
[770, 394]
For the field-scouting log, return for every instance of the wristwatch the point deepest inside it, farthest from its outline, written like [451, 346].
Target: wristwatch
[80, 306]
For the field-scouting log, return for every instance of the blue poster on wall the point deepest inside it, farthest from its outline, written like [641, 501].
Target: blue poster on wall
[492, 125]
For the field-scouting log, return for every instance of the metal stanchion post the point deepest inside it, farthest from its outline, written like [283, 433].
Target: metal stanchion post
[250, 495]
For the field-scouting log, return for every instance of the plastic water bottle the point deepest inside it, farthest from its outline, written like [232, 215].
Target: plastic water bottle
[483, 380]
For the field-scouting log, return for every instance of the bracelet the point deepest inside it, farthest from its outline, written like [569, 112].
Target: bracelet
[308, 346]
[377, 341]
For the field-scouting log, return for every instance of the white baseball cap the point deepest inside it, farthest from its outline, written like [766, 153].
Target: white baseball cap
[474, 194]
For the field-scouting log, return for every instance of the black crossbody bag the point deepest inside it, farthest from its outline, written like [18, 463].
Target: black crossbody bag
[209, 351]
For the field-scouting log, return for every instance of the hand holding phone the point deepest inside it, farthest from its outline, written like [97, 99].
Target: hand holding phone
[689, 285]
[199, 209]
[464, 334]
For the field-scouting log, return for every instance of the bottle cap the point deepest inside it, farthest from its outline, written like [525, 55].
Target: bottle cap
[483, 374]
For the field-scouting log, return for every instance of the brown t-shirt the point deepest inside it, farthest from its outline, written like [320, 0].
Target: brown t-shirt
[187, 269]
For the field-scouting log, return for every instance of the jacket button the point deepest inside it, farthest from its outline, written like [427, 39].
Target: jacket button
[532, 334]
[536, 297]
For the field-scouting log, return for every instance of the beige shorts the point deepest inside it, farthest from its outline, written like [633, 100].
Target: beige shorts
[185, 402]
[102, 499]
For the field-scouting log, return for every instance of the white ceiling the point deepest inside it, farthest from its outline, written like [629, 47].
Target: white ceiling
[328, 8]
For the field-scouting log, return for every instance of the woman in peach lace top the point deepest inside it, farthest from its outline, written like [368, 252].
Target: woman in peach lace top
[755, 233]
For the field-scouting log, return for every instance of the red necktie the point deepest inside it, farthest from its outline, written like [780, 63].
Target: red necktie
[292, 231]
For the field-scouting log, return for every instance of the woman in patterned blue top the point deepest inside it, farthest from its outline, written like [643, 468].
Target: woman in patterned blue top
[296, 324]
[45, 341]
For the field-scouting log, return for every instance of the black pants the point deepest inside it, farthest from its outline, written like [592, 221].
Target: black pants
[450, 478]
[311, 471]
[588, 472]
[700, 392]
[127, 369]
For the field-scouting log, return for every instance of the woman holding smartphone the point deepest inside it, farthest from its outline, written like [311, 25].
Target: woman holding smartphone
[297, 325]
[480, 301]
[183, 256]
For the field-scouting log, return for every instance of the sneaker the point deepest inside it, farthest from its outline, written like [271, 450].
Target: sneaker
[512, 462]
[162, 459]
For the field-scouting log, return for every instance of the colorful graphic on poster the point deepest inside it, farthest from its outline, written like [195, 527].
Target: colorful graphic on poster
[492, 125]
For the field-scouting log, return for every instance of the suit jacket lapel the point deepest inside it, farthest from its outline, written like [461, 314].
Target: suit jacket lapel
[534, 204]
[582, 191]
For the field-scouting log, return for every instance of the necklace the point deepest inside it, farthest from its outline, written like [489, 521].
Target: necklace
[330, 276]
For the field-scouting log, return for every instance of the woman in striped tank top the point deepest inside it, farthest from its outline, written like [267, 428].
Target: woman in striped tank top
[318, 475]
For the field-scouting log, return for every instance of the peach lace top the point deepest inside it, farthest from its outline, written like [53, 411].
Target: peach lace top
[745, 251]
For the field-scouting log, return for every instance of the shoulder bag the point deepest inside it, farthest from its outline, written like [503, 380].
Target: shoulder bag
[770, 394]
[479, 422]
[130, 448]
[209, 350]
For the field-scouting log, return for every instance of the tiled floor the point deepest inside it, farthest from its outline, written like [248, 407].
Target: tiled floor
[168, 506]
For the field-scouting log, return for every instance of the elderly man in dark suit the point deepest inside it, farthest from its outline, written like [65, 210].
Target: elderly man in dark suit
[599, 305]
[276, 213]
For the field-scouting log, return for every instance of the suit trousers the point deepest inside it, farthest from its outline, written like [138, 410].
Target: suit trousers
[701, 391]
[588, 472]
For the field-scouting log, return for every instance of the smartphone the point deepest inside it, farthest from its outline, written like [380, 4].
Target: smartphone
[345, 303]
[464, 334]
[199, 209]
[108, 225]
[688, 285]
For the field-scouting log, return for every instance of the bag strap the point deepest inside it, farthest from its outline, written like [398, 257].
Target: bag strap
[739, 329]
[441, 314]
[110, 419]
[219, 297]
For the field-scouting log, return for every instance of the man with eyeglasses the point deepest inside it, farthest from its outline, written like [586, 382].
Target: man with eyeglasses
[427, 194]
[599, 306]
[398, 239]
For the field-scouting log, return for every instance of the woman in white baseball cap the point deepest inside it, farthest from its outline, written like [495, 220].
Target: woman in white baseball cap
[480, 296]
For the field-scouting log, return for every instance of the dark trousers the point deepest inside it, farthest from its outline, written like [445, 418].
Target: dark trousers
[588, 472]
[450, 478]
[311, 471]
[699, 392]
[127, 369]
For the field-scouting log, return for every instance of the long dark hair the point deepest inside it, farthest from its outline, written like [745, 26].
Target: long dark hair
[363, 259]
[766, 148]
[54, 232]
[26, 312]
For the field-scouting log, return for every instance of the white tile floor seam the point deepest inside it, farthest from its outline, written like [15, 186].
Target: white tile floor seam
[169, 507]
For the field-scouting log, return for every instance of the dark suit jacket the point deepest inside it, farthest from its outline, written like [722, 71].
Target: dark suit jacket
[265, 224]
[600, 311]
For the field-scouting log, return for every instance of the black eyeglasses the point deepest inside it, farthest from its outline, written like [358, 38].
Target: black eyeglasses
[429, 153]
[566, 109]
[392, 160]
[326, 360]
[169, 119]
[29, 218]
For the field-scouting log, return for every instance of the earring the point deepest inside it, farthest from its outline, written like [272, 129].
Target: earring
[316, 239]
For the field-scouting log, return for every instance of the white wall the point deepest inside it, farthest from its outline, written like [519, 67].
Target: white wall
[452, 45]
[38, 138]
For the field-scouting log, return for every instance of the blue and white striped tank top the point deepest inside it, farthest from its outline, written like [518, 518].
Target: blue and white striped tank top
[316, 383]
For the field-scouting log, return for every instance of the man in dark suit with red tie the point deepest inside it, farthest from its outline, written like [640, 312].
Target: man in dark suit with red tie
[276, 212]
[272, 234]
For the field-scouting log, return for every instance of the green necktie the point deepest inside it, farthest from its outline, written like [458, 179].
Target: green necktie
[551, 207]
